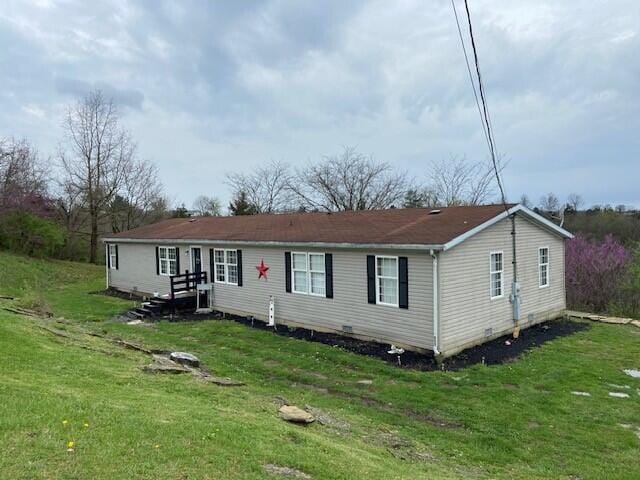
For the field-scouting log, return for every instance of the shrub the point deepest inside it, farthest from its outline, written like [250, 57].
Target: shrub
[594, 272]
[627, 301]
[26, 233]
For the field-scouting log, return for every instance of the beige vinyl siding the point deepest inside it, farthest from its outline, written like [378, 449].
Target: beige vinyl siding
[412, 327]
[466, 307]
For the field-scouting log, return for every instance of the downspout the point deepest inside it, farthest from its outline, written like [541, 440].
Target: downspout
[436, 313]
[106, 263]
[515, 286]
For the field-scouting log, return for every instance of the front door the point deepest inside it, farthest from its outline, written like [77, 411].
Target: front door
[196, 259]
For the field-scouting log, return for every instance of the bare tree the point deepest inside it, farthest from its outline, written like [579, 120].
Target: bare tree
[458, 181]
[549, 203]
[266, 188]
[23, 178]
[349, 181]
[574, 201]
[98, 160]
[140, 197]
[524, 200]
[419, 198]
[207, 206]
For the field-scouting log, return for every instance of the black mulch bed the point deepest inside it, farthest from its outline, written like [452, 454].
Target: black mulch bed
[495, 352]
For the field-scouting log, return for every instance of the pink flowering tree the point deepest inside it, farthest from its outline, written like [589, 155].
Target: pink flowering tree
[594, 271]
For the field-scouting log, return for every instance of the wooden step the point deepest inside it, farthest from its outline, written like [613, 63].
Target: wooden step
[145, 311]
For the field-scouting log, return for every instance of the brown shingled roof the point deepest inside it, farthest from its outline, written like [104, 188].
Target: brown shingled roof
[402, 226]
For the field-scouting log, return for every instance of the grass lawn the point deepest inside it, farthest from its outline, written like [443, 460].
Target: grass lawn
[517, 420]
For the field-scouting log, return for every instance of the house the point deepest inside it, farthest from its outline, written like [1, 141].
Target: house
[426, 280]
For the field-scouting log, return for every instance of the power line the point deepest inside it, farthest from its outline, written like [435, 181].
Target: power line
[485, 117]
[473, 83]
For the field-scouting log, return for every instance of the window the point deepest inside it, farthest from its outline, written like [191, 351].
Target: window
[168, 260]
[113, 256]
[226, 266]
[496, 268]
[308, 274]
[387, 281]
[543, 266]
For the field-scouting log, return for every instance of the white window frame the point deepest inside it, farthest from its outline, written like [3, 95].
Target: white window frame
[541, 264]
[307, 271]
[166, 261]
[493, 272]
[226, 264]
[113, 256]
[397, 278]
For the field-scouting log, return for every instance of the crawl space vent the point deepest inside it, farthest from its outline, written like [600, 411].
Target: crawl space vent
[488, 332]
[347, 328]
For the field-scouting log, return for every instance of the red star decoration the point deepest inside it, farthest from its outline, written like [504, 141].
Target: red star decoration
[262, 270]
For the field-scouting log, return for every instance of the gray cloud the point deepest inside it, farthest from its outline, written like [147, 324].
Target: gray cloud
[217, 86]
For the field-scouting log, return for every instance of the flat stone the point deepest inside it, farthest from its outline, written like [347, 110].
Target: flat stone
[616, 320]
[294, 414]
[635, 323]
[613, 385]
[185, 358]
[285, 471]
[365, 382]
[632, 372]
[162, 368]
[581, 394]
[135, 322]
[618, 394]
[224, 381]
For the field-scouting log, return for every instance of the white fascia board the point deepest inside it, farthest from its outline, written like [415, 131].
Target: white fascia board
[515, 209]
[356, 246]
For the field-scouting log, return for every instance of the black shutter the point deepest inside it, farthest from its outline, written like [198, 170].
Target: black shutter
[287, 272]
[371, 278]
[403, 282]
[157, 261]
[177, 260]
[239, 260]
[328, 275]
[212, 266]
[108, 255]
[117, 256]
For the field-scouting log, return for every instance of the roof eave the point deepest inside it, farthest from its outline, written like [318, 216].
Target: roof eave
[539, 219]
[344, 245]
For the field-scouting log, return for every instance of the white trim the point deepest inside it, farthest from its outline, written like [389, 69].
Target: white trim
[110, 256]
[436, 305]
[378, 302]
[294, 270]
[492, 221]
[307, 271]
[492, 272]
[540, 264]
[167, 260]
[226, 266]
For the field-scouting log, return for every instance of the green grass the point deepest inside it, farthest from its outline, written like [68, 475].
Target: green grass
[517, 420]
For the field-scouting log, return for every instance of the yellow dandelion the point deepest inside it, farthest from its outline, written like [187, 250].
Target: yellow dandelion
[156, 446]
[71, 444]
[86, 424]
[64, 422]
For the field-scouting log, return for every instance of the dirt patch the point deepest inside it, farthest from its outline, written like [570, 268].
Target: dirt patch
[495, 352]
[435, 420]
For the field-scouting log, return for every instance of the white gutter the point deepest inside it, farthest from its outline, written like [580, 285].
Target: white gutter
[191, 241]
[436, 313]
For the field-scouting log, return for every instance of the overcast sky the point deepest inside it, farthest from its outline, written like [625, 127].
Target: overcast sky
[211, 87]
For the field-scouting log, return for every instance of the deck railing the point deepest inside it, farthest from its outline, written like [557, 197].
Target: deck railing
[185, 282]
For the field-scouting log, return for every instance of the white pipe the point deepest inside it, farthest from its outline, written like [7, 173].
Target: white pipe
[436, 313]
[106, 264]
